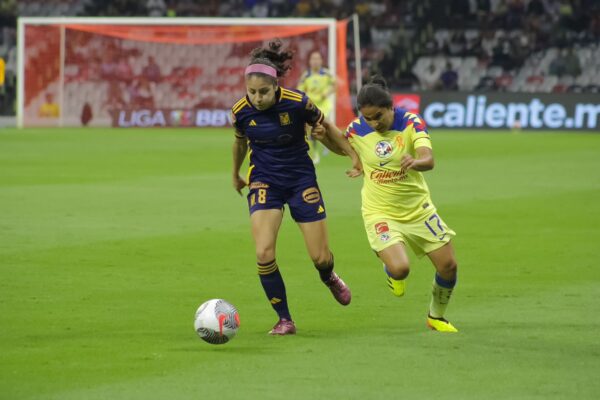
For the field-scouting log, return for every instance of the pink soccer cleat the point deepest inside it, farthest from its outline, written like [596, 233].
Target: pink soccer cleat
[283, 327]
[339, 289]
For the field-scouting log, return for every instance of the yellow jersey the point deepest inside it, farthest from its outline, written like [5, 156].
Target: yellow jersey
[49, 110]
[318, 87]
[387, 188]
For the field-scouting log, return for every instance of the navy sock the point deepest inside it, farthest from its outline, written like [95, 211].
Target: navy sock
[325, 270]
[272, 283]
[444, 283]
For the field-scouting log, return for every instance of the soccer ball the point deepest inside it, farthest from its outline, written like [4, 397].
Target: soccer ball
[216, 321]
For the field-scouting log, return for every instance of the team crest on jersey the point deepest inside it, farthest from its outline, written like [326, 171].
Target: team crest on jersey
[311, 195]
[284, 119]
[383, 149]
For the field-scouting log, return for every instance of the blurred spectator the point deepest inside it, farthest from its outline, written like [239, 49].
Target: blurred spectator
[430, 77]
[141, 94]
[486, 84]
[151, 71]
[458, 44]
[260, 9]
[503, 81]
[114, 98]
[108, 67]
[86, 114]
[515, 14]
[156, 8]
[536, 7]
[49, 109]
[566, 63]
[449, 78]
[123, 70]
[503, 55]
[171, 8]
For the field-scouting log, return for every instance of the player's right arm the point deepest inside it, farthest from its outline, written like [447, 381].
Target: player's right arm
[239, 150]
[333, 139]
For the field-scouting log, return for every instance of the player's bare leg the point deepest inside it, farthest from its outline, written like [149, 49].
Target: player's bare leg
[315, 238]
[396, 266]
[446, 267]
[265, 227]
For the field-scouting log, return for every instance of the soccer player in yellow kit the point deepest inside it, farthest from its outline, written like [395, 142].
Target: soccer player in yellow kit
[318, 84]
[397, 210]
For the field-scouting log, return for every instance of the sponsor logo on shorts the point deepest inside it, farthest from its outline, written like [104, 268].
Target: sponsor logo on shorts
[384, 237]
[258, 185]
[381, 227]
[311, 195]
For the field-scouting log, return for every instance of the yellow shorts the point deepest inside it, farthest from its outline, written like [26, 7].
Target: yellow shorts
[423, 236]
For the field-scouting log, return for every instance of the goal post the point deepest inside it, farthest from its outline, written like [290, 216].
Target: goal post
[159, 71]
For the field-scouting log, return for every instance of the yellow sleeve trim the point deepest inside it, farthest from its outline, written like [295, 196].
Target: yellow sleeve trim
[240, 101]
[243, 103]
[292, 98]
[288, 94]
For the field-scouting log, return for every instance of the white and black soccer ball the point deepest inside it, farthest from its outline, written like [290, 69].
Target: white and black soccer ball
[216, 321]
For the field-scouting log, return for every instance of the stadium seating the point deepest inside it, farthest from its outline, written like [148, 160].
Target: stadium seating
[501, 46]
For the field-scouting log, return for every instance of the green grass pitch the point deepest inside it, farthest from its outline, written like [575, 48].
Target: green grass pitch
[110, 239]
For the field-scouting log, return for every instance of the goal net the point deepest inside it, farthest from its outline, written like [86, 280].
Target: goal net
[142, 72]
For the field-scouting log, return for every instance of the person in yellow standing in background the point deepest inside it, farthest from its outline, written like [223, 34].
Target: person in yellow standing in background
[319, 85]
[2, 71]
[49, 109]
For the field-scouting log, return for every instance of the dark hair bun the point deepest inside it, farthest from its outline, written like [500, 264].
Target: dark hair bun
[378, 81]
[275, 45]
[273, 55]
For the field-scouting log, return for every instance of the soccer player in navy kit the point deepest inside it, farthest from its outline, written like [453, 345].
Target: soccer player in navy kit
[271, 121]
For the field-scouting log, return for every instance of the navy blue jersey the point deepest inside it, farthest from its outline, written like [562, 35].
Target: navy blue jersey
[277, 137]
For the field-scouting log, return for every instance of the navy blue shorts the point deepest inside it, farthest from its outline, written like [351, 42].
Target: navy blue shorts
[304, 200]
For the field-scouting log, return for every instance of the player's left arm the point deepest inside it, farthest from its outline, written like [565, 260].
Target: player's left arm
[332, 138]
[422, 162]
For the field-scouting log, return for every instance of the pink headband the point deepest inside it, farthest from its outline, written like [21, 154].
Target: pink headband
[261, 68]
